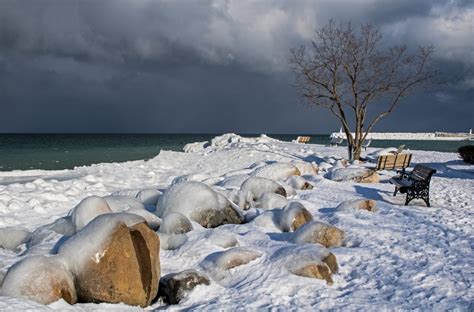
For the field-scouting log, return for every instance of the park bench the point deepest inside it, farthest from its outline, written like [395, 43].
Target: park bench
[303, 139]
[393, 161]
[415, 184]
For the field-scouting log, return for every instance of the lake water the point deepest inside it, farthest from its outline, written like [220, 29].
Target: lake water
[66, 151]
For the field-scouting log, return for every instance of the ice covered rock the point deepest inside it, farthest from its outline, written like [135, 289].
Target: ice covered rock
[361, 175]
[293, 216]
[45, 238]
[195, 147]
[276, 171]
[255, 187]
[320, 233]
[269, 220]
[298, 183]
[200, 203]
[172, 241]
[312, 262]
[358, 204]
[233, 181]
[63, 226]
[13, 236]
[151, 219]
[198, 177]
[175, 223]
[271, 201]
[231, 258]
[324, 166]
[120, 203]
[147, 197]
[223, 239]
[40, 278]
[176, 286]
[290, 191]
[306, 168]
[87, 210]
[115, 258]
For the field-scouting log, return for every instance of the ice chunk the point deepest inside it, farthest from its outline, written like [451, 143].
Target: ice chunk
[293, 216]
[41, 279]
[87, 210]
[276, 171]
[175, 223]
[120, 203]
[13, 236]
[231, 258]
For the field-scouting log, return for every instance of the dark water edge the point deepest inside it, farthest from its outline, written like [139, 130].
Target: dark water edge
[66, 151]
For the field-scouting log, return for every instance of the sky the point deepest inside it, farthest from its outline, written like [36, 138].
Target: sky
[209, 66]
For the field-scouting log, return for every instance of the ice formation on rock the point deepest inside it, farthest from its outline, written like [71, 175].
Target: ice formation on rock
[293, 216]
[298, 183]
[276, 171]
[358, 204]
[13, 236]
[175, 223]
[120, 203]
[231, 258]
[255, 187]
[320, 233]
[272, 200]
[88, 209]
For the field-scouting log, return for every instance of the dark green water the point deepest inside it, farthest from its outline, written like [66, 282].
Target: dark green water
[65, 151]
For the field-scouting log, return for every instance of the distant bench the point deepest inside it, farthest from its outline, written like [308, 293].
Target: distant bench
[415, 184]
[303, 139]
[393, 161]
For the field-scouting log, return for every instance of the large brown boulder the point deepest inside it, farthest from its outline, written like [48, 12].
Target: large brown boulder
[41, 279]
[320, 233]
[123, 266]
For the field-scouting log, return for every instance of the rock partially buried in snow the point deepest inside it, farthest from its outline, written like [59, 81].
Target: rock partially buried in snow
[88, 209]
[293, 216]
[358, 204]
[320, 233]
[151, 219]
[299, 183]
[13, 236]
[175, 286]
[271, 201]
[200, 203]
[115, 258]
[370, 177]
[175, 223]
[306, 168]
[231, 258]
[255, 187]
[120, 203]
[40, 278]
[223, 239]
[361, 175]
[276, 171]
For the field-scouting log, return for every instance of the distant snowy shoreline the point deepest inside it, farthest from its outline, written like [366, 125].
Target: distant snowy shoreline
[435, 136]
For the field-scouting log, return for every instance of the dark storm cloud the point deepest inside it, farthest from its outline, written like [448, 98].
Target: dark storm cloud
[203, 65]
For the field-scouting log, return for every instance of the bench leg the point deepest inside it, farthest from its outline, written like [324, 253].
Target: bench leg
[396, 191]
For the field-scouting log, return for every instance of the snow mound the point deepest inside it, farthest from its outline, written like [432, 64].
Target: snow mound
[175, 223]
[195, 147]
[198, 177]
[306, 168]
[87, 210]
[231, 258]
[41, 279]
[13, 236]
[88, 242]
[147, 197]
[276, 171]
[200, 203]
[271, 201]
[223, 239]
[293, 216]
[298, 183]
[120, 203]
[171, 241]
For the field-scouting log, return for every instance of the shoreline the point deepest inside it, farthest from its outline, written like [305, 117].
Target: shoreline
[413, 136]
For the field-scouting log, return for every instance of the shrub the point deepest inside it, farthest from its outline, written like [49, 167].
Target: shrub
[467, 153]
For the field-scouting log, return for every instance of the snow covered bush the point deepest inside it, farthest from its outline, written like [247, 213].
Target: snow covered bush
[467, 153]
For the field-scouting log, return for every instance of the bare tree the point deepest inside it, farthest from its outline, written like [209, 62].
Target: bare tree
[348, 71]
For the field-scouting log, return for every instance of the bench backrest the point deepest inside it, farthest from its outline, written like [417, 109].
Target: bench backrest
[303, 139]
[422, 173]
[394, 161]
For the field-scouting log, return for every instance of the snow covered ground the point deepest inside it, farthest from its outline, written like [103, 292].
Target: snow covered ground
[398, 258]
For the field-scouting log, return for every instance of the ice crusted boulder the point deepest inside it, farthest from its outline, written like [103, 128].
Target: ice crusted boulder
[151, 219]
[120, 203]
[314, 262]
[306, 168]
[40, 278]
[200, 203]
[276, 171]
[361, 175]
[271, 201]
[176, 286]
[87, 210]
[255, 187]
[293, 216]
[175, 223]
[358, 204]
[298, 183]
[320, 233]
[115, 258]
[13, 236]
[231, 258]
